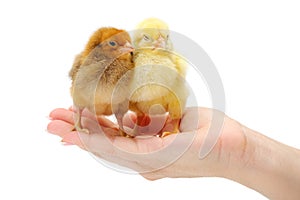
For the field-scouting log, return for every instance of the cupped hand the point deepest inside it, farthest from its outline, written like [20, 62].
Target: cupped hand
[176, 155]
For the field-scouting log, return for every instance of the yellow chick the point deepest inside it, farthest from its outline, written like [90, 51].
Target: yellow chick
[158, 74]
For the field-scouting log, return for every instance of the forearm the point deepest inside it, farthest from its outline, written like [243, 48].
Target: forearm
[269, 167]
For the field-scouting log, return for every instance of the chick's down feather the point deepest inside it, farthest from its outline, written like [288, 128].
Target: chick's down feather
[96, 71]
[159, 74]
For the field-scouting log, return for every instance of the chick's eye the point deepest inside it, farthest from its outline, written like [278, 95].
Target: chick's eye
[112, 43]
[146, 38]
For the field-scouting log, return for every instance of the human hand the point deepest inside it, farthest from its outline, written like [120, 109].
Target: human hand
[153, 157]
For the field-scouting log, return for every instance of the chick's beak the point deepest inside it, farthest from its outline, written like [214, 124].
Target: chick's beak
[160, 43]
[126, 48]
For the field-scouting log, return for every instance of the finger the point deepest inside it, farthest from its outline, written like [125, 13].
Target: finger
[59, 127]
[97, 128]
[73, 138]
[67, 115]
[129, 120]
[154, 127]
[152, 176]
[170, 125]
[62, 114]
[103, 121]
[85, 112]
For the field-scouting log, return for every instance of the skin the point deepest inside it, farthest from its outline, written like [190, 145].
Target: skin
[240, 154]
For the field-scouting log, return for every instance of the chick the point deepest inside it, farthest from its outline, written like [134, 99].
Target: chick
[96, 71]
[158, 74]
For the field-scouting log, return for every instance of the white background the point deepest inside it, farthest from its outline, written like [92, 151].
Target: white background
[255, 46]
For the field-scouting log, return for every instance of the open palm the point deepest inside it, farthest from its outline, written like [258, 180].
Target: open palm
[154, 157]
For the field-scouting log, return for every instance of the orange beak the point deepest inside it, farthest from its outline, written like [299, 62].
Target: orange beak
[160, 43]
[126, 48]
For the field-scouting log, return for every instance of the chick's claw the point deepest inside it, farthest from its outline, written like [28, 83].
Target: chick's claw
[82, 130]
[124, 134]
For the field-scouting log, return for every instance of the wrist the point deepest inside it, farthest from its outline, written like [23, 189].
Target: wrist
[268, 167]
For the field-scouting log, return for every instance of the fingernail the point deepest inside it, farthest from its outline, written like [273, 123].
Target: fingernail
[48, 117]
[66, 143]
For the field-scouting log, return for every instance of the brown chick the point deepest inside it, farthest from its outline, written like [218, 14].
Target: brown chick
[96, 71]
